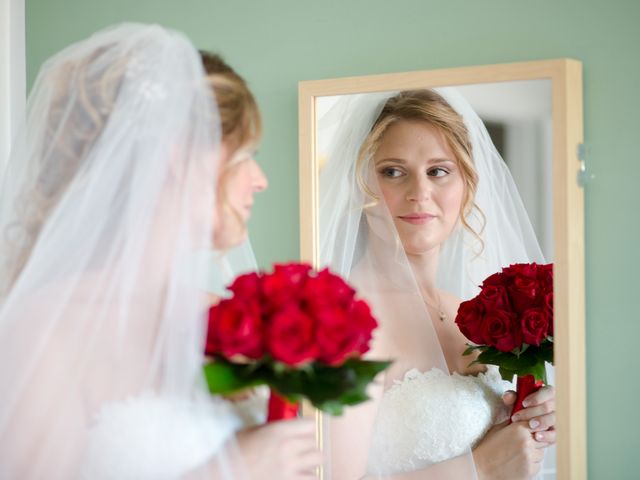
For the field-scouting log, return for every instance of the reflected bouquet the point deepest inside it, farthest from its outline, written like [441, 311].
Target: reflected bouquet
[298, 331]
[510, 323]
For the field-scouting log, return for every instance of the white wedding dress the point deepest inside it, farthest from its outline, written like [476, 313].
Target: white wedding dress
[152, 438]
[429, 417]
[148, 437]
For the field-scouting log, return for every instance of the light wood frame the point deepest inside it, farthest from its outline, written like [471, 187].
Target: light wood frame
[568, 219]
[12, 72]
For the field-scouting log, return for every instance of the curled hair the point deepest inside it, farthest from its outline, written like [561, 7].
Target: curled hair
[428, 106]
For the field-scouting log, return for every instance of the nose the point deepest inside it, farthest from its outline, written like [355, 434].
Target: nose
[259, 179]
[419, 189]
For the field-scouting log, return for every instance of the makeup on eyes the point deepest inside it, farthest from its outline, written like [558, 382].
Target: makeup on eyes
[393, 167]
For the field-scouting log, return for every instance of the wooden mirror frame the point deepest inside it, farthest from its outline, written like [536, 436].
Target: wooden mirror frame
[568, 217]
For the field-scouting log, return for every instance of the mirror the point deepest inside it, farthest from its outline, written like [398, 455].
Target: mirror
[533, 113]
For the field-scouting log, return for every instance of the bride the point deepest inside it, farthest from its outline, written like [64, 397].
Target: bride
[416, 209]
[135, 155]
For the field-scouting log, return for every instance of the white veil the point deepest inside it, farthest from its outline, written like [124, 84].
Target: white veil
[358, 239]
[109, 192]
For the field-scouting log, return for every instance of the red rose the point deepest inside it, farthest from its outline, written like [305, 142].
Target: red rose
[524, 293]
[501, 330]
[344, 333]
[495, 279]
[528, 270]
[296, 273]
[469, 320]
[235, 328]
[246, 286]
[545, 277]
[548, 310]
[361, 316]
[327, 290]
[338, 337]
[283, 286]
[495, 297]
[291, 336]
[534, 326]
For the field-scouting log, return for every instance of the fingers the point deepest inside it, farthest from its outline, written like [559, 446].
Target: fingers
[537, 455]
[309, 460]
[536, 411]
[300, 427]
[545, 394]
[546, 438]
[543, 422]
[305, 464]
[306, 476]
[509, 398]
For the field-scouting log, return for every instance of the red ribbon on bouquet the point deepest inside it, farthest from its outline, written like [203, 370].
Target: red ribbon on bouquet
[280, 408]
[525, 386]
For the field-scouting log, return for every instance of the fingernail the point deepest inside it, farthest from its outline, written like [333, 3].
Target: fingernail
[534, 423]
[525, 404]
[515, 418]
[539, 436]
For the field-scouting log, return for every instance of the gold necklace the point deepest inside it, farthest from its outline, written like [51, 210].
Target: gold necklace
[441, 314]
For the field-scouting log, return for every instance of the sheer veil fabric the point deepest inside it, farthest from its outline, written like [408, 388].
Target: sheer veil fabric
[359, 240]
[110, 190]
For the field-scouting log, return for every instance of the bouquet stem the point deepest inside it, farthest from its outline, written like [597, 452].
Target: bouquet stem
[280, 408]
[525, 385]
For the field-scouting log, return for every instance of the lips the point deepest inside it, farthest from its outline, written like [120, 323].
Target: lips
[417, 218]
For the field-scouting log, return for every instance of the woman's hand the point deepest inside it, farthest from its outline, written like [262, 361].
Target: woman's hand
[240, 395]
[508, 452]
[539, 413]
[284, 450]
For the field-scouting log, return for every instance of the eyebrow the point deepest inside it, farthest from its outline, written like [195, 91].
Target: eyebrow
[404, 162]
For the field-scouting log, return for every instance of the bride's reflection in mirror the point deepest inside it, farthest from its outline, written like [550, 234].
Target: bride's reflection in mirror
[417, 208]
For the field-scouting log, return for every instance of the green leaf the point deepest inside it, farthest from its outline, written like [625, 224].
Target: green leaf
[223, 378]
[327, 388]
[345, 384]
[507, 375]
[545, 353]
[537, 370]
[471, 348]
[530, 361]
[520, 350]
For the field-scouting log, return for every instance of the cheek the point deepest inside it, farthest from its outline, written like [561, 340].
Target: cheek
[392, 196]
[452, 198]
[232, 187]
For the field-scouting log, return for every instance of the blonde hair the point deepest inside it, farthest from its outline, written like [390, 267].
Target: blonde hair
[239, 114]
[239, 117]
[425, 106]
[79, 98]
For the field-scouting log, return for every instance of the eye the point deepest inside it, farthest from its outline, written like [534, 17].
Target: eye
[437, 172]
[391, 172]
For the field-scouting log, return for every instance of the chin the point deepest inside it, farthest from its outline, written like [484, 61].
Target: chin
[419, 246]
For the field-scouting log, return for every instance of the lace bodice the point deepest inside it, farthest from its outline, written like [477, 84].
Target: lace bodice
[429, 417]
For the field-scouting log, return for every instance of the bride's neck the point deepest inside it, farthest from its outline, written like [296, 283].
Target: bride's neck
[425, 267]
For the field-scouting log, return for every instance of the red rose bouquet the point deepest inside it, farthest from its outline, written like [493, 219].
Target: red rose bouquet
[510, 323]
[298, 331]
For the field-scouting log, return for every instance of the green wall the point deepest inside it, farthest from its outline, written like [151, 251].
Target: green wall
[274, 44]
